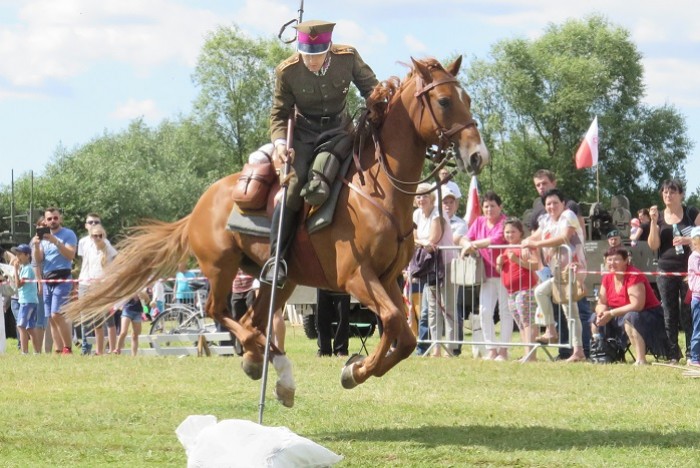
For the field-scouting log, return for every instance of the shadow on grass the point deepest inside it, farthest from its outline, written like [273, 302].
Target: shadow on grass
[506, 438]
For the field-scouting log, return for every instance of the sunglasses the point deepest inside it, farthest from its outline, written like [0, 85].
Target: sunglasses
[92, 221]
[51, 218]
[97, 236]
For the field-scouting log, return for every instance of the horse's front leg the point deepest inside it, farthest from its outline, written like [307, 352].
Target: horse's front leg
[384, 300]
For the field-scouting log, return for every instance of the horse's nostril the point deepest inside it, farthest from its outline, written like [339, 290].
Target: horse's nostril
[475, 161]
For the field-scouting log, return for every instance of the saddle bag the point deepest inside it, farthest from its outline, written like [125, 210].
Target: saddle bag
[253, 185]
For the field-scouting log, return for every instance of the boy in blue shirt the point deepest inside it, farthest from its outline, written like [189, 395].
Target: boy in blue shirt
[28, 298]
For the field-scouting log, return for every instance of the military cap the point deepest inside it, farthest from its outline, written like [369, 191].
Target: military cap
[314, 36]
[614, 233]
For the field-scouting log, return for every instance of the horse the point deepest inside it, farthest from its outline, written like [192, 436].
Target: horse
[362, 252]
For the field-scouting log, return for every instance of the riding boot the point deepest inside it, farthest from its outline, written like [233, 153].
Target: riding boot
[287, 232]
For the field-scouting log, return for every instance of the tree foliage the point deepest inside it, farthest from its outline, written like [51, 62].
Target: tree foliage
[536, 99]
[236, 77]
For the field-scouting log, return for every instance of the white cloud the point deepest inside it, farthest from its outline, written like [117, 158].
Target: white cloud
[133, 109]
[672, 80]
[61, 39]
[415, 46]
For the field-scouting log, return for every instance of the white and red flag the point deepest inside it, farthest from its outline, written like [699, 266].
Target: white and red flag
[473, 202]
[587, 154]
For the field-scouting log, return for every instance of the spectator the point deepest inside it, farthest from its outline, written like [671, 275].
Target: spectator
[332, 307]
[635, 231]
[544, 181]
[626, 296]
[644, 222]
[694, 286]
[487, 230]
[27, 297]
[449, 186]
[517, 267]
[41, 320]
[131, 316]
[614, 239]
[56, 251]
[183, 291]
[432, 231]
[669, 236]
[96, 253]
[157, 303]
[560, 226]
[455, 298]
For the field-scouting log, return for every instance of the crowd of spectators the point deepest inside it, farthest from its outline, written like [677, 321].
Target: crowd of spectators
[522, 278]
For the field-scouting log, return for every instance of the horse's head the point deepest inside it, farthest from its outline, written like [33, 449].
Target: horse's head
[445, 117]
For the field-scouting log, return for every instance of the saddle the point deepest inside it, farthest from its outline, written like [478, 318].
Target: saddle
[251, 217]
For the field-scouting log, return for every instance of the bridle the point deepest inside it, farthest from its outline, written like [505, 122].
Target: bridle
[444, 149]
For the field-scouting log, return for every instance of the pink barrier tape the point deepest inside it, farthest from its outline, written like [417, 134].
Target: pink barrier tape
[72, 280]
[652, 273]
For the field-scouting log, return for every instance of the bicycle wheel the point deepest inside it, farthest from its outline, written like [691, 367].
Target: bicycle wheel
[176, 320]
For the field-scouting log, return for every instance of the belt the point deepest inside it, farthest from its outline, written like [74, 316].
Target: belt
[322, 120]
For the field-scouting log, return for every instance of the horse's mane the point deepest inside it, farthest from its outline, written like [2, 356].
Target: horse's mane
[381, 98]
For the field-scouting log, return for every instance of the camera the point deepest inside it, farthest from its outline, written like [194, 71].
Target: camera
[42, 231]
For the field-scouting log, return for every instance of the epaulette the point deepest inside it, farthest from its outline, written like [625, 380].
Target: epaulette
[288, 62]
[342, 49]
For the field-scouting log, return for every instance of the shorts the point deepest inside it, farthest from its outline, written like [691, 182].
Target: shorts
[55, 296]
[26, 317]
[41, 316]
[133, 315]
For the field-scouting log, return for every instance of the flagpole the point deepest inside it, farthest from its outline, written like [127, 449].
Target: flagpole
[597, 184]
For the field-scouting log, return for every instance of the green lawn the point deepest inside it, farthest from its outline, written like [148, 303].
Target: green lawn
[122, 411]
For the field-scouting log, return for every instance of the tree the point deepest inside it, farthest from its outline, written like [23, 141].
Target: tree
[127, 177]
[236, 77]
[536, 99]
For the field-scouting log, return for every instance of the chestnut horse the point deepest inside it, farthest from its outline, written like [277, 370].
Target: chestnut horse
[362, 252]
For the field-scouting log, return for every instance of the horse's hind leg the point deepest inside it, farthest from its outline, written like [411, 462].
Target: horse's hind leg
[386, 301]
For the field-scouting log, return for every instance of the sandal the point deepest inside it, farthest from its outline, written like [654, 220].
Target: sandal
[544, 339]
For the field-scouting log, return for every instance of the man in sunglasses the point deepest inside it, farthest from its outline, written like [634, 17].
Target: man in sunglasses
[55, 251]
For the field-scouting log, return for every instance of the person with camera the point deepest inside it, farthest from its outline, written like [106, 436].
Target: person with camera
[54, 248]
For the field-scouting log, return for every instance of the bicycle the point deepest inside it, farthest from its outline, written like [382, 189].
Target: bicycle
[184, 318]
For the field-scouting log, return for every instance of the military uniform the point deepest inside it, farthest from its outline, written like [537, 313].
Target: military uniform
[320, 102]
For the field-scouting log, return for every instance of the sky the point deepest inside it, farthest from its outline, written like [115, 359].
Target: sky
[71, 70]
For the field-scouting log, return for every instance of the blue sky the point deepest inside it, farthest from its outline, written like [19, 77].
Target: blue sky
[72, 69]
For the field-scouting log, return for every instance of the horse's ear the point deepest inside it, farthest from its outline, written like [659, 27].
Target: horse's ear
[422, 69]
[453, 68]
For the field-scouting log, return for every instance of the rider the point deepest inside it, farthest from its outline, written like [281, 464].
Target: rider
[312, 85]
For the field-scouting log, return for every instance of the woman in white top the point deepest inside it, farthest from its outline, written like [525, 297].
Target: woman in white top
[558, 227]
[433, 231]
[96, 253]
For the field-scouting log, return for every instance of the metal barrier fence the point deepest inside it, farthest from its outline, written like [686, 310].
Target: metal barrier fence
[458, 294]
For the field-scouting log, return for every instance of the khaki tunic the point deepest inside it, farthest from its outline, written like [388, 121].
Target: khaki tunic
[320, 102]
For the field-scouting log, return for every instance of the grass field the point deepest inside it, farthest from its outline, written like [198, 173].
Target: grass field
[71, 411]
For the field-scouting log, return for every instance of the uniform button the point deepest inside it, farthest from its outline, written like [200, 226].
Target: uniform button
[323, 86]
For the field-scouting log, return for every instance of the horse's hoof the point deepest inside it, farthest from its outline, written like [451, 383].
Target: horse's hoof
[284, 395]
[347, 379]
[252, 369]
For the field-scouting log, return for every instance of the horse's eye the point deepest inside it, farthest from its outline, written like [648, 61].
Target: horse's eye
[444, 102]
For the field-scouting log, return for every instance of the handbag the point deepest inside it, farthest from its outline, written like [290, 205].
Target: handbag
[467, 271]
[427, 266]
[561, 290]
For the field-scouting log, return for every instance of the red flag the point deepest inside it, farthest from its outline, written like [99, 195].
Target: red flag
[587, 154]
[473, 203]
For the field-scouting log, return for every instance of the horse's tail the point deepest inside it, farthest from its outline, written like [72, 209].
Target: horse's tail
[149, 252]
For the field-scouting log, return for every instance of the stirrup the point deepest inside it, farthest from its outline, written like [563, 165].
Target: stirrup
[268, 269]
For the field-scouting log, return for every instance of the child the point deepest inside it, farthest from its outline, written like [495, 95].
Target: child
[517, 267]
[694, 286]
[28, 298]
[131, 315]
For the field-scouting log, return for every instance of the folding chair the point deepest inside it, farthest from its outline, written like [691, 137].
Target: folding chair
[362, 330]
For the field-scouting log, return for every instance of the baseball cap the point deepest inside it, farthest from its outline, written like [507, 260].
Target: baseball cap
[446, 192]
[22, 248]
